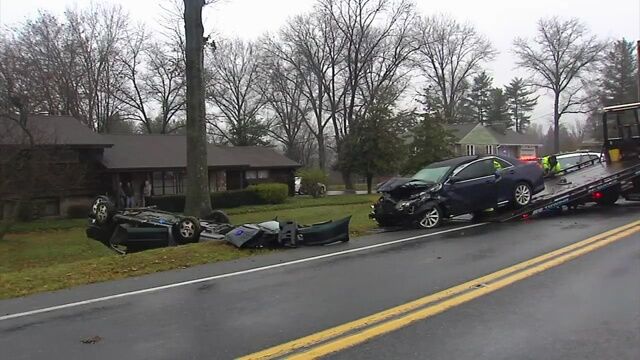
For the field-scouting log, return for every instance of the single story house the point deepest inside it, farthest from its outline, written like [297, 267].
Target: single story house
[106, 160]
[477, 139]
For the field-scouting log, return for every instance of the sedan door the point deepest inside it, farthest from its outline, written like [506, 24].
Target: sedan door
[508, 176]
[472, 188]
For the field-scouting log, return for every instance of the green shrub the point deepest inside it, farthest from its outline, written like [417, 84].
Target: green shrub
[271, 193]
[313, 180]
[219, 200]
[173, 203]
[78, 211]
[235, 198]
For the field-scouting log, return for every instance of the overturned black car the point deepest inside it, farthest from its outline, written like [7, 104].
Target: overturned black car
[136, 229]
[462, 185]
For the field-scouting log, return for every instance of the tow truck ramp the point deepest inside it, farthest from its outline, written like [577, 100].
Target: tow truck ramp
[616, 173]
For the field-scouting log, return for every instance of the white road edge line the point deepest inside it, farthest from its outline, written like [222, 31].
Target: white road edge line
[227, 275]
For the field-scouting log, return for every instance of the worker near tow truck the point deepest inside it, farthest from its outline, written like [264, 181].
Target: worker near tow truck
[550, 165]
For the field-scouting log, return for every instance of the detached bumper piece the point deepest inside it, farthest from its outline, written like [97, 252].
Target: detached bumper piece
[273, 234]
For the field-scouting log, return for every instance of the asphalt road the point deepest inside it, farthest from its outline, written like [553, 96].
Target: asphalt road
[587, 307]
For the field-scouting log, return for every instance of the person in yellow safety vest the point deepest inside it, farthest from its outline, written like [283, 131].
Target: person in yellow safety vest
[550, 165]
[496, 165]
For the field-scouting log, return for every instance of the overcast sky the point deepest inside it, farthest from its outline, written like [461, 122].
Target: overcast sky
[499, 20]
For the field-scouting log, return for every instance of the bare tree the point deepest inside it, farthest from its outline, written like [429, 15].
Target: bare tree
[98, 33]
[376, 45]
[450, 54]
[310, 45]
[198, 201]
[234, 92]
[282, 87]
[167, 85]
[134, 93]
[557, 58]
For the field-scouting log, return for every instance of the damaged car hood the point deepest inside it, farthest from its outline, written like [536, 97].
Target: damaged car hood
[404, 183]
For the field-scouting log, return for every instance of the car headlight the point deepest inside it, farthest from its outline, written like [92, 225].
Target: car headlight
[401, 205]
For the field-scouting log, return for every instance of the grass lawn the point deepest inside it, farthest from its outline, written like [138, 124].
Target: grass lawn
[341, 187]
[55, 254]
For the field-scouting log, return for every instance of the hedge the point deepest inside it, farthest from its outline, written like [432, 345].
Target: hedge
[268, 193]
[271, 193]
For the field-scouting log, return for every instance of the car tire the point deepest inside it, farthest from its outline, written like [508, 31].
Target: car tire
[187, 230]
[218, 216]
[94, 205]
[431, 218]
[609, 198]
[105, 209]
[522, 195]
[383, 222]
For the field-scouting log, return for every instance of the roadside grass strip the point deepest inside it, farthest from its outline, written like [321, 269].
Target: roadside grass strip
[361, 330]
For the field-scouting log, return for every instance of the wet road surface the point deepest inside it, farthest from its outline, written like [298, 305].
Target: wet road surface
[587, 307]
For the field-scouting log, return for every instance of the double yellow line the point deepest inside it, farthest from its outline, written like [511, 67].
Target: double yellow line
[358, 331]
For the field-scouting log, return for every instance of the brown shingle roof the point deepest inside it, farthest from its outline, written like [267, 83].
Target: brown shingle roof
[50, 130]
[170, 151]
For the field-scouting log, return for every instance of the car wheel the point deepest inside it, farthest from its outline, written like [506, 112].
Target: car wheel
[609, 198]
[94, 206]
[218, 216]
[187, 230]
[384, 222]
[104, 211]
[430, 218]
[522, 194]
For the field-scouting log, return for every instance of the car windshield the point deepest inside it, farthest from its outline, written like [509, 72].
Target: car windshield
[431, 174]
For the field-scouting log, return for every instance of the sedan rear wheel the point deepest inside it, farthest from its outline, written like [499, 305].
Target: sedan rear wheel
[431, 218]
[187, 230]
[522, 194]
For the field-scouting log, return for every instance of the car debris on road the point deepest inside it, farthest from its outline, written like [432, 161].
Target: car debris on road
[135, 229]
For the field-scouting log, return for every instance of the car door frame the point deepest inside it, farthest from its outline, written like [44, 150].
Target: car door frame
[505, 182]
[460, 206]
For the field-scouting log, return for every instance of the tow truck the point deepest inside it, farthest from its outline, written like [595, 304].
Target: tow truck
[602, 180]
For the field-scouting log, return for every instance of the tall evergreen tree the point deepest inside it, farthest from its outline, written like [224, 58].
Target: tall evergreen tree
[431, 142]
[374, 147]
[619, 74]
[520, 103]
[479, 100]
[498, 112]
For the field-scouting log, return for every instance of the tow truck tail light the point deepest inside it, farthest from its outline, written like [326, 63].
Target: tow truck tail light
[597, 195]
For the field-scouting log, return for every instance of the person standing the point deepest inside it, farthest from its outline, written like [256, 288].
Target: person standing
[128, 192]
[146, 192]
[122, 197]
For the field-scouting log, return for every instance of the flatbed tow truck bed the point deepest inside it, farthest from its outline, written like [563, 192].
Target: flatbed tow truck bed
[575, 184]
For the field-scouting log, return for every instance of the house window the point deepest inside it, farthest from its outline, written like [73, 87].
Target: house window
[490, 150]
[251, 174]
[471, 150]
[157, 185]
[221, 181]
[168, 182]
[256, 174]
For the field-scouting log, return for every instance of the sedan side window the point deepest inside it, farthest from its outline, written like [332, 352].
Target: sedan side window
[476, 170]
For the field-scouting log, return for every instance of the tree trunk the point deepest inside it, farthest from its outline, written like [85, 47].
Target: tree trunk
[198, 200]
[556, 123]
[322, 152]
[347, 179]
[369, 183]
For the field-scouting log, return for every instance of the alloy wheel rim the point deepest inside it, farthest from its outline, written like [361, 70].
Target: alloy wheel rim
[187, 229]
[101, 213]
[430, 219]
[523, 195]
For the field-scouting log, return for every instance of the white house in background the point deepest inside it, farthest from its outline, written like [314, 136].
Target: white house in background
[477, 139]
